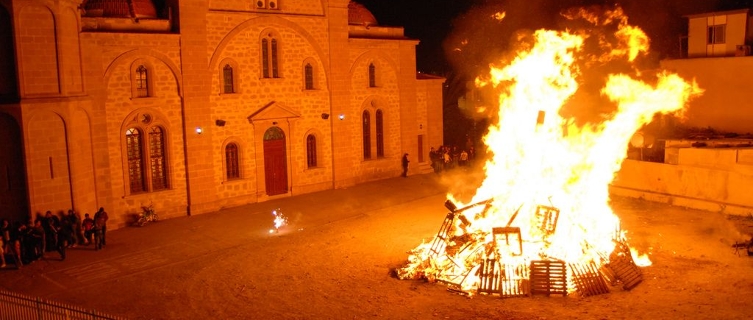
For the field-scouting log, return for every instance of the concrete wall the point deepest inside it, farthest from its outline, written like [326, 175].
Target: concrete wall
[704, 178]
[727, 100]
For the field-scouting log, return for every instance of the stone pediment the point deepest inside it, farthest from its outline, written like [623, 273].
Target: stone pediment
[273, 111]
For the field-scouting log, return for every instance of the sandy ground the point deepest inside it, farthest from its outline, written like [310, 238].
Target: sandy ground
[336, 259]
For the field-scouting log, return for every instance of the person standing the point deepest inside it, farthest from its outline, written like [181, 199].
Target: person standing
[88, 225]
[100, 221]
[405, 165]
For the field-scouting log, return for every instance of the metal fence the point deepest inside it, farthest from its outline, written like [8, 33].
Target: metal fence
[15, 306]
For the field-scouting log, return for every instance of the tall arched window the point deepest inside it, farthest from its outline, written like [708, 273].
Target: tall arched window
[231, 161]
[142, 82]
[146, 156]
[372, 75]
[308, 75]
[228, 85]
[157, 158]
[135, 157]
[270, 57]
[366, 131]
[379, 133]
[275, 73]
[311, 151]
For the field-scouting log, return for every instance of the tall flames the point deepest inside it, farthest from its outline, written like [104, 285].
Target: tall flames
[547, 174]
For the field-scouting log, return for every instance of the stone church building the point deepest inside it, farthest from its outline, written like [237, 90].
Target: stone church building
[199, 105]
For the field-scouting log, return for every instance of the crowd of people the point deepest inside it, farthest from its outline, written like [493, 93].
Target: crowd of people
[447, 157]
[23, 244]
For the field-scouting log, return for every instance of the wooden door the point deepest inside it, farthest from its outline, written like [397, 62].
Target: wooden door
[275, 162]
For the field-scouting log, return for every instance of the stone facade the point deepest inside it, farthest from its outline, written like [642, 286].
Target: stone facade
[212, 104]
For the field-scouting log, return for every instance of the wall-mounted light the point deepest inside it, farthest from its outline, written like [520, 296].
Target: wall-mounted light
[341, 116]
[199, 130]
[274, 123]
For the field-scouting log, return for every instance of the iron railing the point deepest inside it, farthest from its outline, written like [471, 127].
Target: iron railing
[16, 306]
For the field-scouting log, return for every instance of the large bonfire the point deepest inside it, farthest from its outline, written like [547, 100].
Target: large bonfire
[545, 195]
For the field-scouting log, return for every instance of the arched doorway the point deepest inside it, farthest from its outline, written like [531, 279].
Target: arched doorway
[13, 198]
[275, 161]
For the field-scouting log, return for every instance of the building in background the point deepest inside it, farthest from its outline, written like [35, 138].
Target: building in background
[718, 57]
[198, 105]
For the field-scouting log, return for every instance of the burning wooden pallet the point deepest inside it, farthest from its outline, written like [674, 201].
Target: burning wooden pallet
[513, 239]
[547, 217]
[588, 280]
[506, 281]
[548, 277]
[624, 268]
[440, 241]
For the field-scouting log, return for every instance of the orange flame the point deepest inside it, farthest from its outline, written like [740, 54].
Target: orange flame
[541, 159]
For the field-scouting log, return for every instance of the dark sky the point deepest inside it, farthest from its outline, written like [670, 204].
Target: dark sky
[442, 24]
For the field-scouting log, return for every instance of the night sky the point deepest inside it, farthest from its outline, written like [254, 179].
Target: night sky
[441, 24]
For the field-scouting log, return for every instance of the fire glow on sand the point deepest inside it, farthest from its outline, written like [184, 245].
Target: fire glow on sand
[540, 222]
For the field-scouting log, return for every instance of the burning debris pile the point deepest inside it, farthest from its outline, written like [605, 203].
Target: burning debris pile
[493, 261]
[540, 222]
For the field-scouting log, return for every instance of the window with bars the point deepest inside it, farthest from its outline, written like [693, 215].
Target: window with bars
[228, 84]
[140, 150]
[142, 81]
[366, 131]
[311, 151]
[372, 75]
[379, 133]
[308, 75]
[231, 161]
[270, 57]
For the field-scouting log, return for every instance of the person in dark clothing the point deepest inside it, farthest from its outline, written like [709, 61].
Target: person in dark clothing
[51, 226]
[100, 219]
[405, 165]
[64, 236]
[88, 225]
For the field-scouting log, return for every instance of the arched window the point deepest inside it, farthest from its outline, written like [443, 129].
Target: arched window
[379, 133]
[142, 82]
[269, 57]
[157, 158]
[135, 160]
[275, 73]
[366, 135]
[311, 151]
[372, 75]
[146, 156]
[231, 161]
[228, 85]
[308, 75]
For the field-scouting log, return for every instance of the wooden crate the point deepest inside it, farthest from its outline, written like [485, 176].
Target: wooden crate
[548, 277]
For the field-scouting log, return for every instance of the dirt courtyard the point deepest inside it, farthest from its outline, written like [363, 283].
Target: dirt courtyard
[336, 259]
